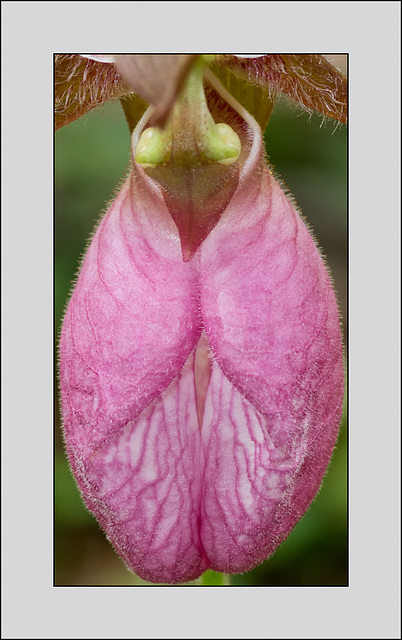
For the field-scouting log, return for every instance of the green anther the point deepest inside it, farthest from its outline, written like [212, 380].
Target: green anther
[223, 144]
[154, 147]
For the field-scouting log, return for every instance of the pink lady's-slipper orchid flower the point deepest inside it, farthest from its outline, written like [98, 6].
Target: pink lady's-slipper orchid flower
[201, 367]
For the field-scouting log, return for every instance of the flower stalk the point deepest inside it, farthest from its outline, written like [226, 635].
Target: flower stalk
[214, 579]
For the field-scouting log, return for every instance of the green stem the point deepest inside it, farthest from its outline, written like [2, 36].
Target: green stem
[195, 134]
[213, 578]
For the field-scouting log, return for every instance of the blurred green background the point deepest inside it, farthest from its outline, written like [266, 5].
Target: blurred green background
[91, 159]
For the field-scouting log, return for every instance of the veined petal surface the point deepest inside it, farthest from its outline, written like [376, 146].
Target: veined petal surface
[132, 320]
[201, 399]
[274, 401]
[144, 486]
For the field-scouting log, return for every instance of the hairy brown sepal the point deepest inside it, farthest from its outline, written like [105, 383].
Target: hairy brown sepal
[81, 85]
[309, 80]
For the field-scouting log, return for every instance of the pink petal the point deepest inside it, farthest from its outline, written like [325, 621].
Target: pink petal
[132, 320]
[144, 487]
[274, 402]
[129, 407]
[189, 463]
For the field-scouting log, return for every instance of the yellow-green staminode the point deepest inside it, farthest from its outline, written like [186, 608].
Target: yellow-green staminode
[154, 147]
[222, 145]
